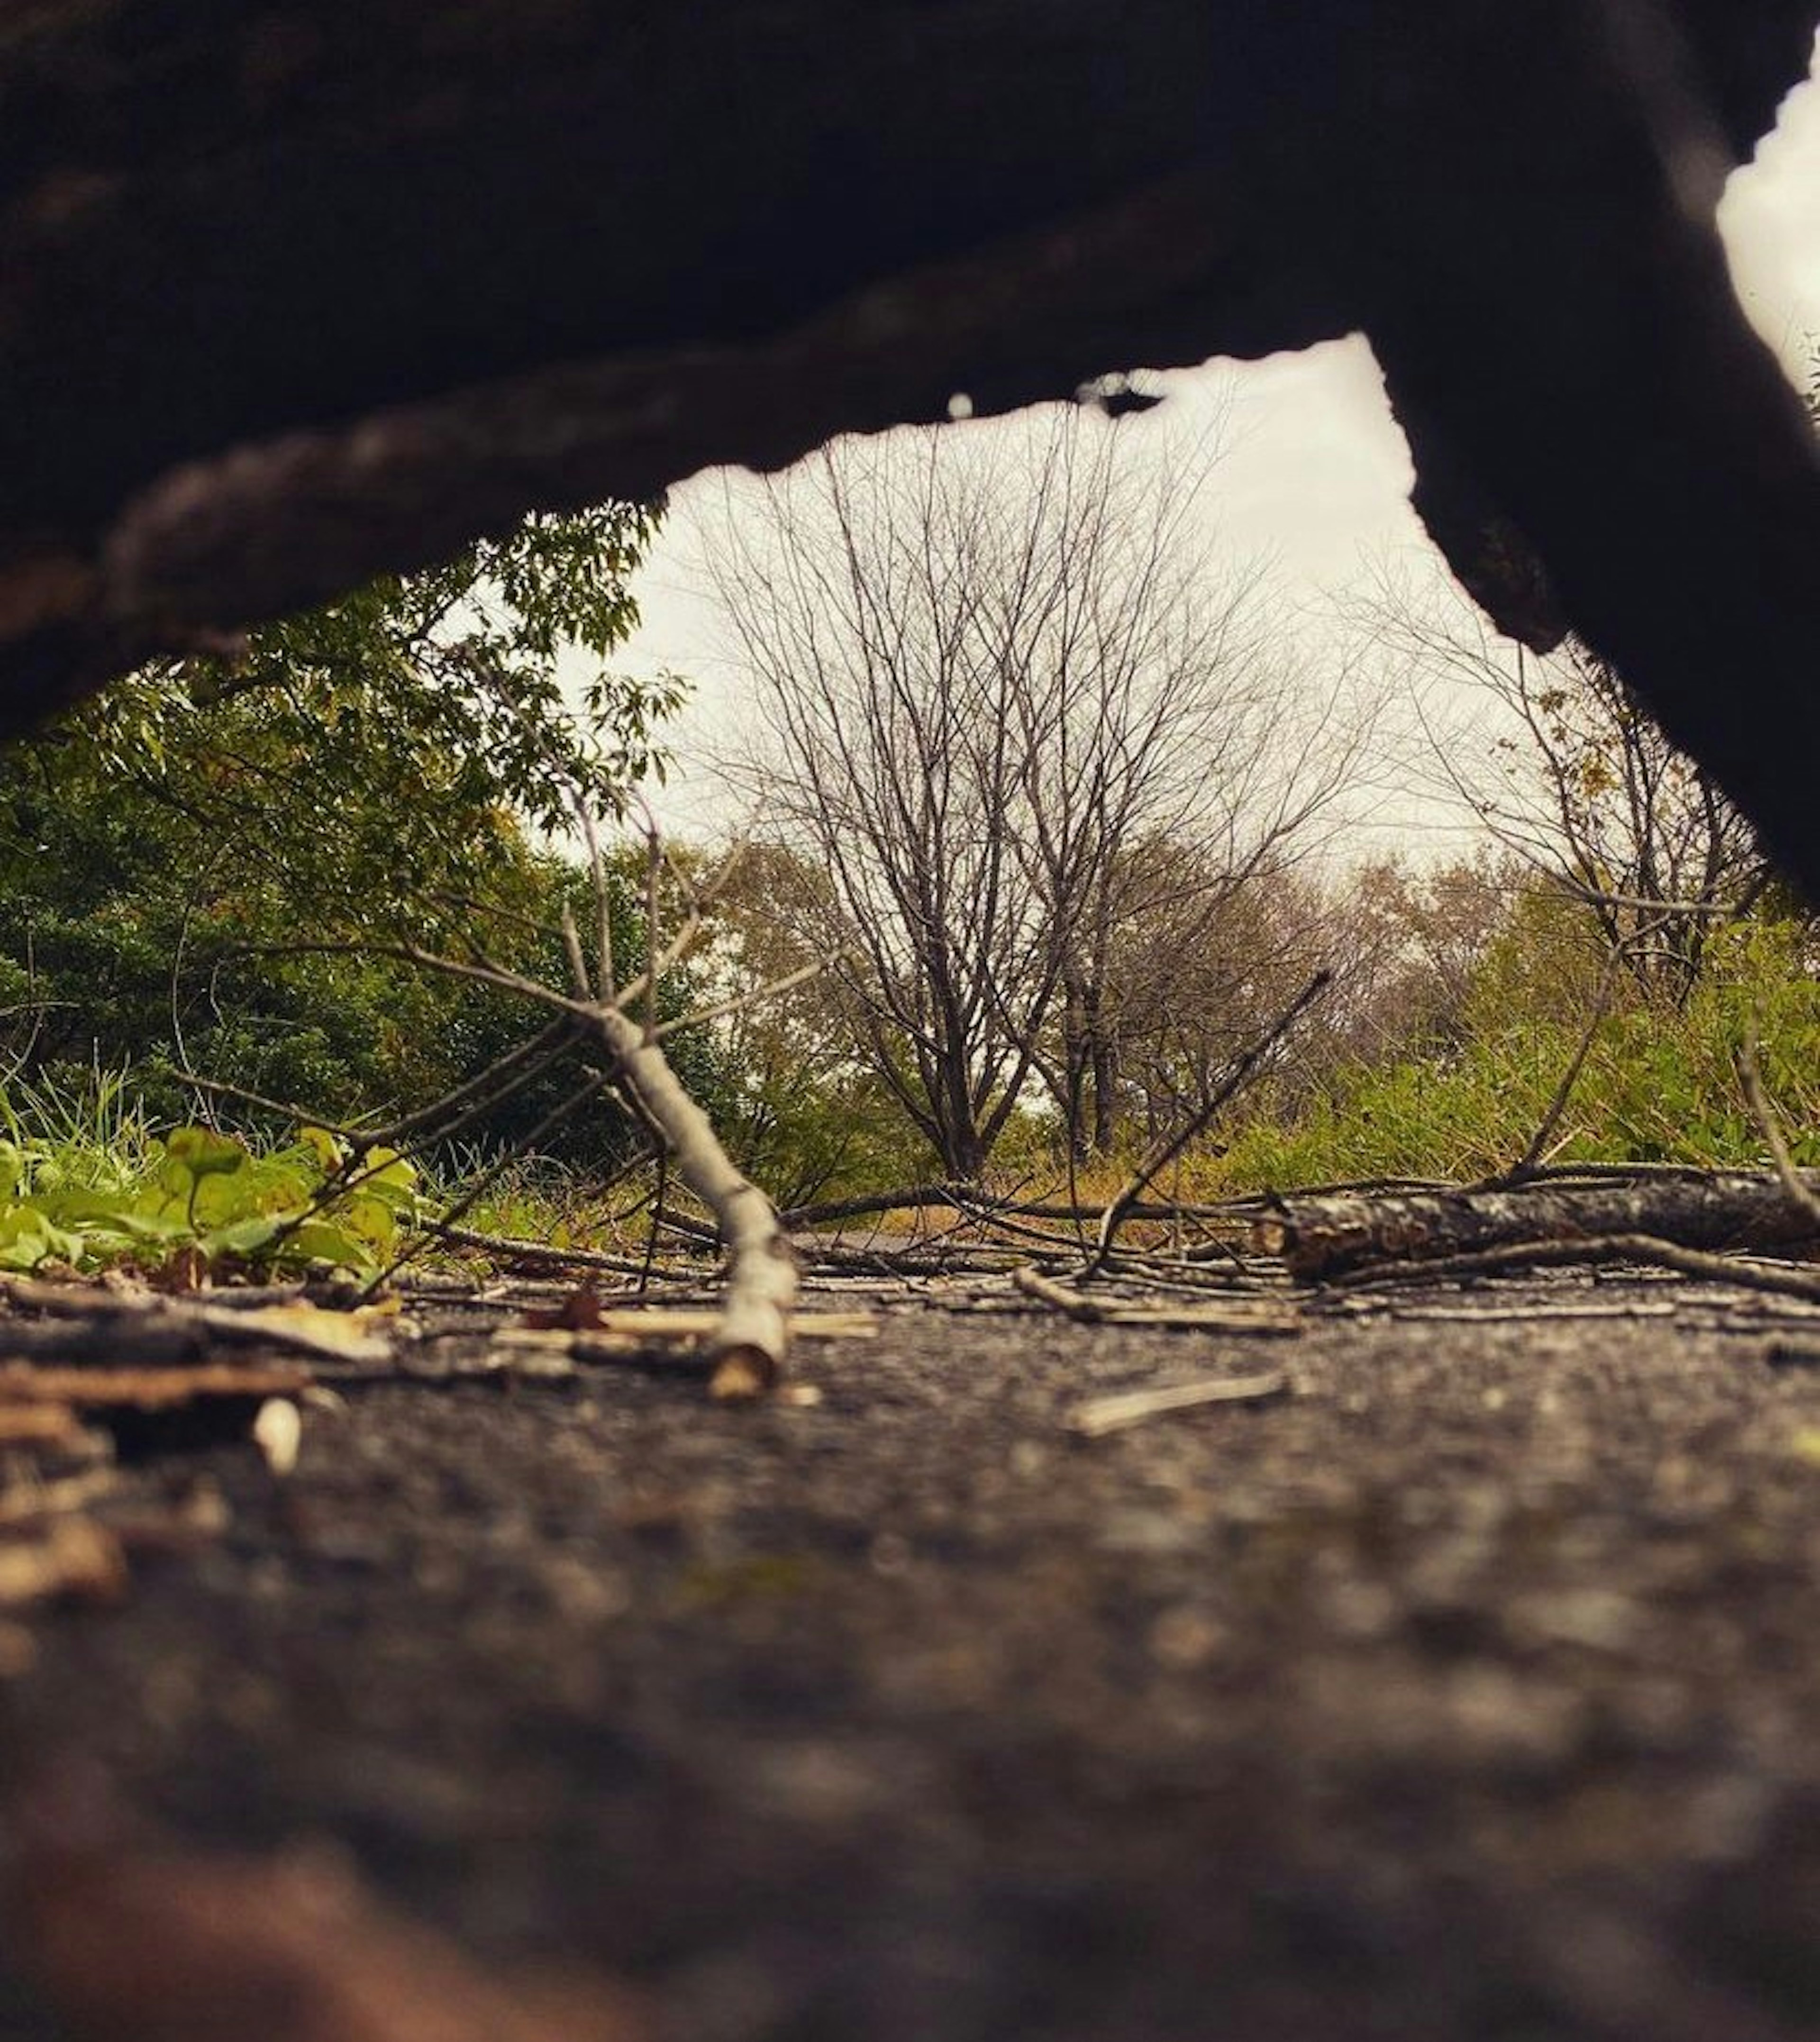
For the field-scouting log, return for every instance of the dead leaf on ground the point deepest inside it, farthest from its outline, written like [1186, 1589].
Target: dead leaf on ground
[75, 1558]
[147, 1389]
[579, 1312]
[39, 1425]
[181, 1275]
[128, 1945]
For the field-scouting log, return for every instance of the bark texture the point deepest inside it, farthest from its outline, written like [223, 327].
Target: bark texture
[1325, 1235]
[291, 294]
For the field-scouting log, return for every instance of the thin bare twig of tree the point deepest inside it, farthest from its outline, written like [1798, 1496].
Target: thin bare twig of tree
[736, 1003]
[1571, 775]
[1244, 1068]
[445, 1118]
[1781, 1281]
[558, 1116]
[510, 1248]
[1769, 1125]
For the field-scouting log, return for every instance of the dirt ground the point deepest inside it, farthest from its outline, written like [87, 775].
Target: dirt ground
[1469, 1692]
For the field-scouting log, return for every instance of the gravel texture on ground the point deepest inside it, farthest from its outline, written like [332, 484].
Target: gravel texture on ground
[1468, 1692]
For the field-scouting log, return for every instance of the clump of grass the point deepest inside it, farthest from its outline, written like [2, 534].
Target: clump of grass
[95, 1137]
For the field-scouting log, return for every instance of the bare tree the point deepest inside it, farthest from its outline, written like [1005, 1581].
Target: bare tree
[1561, 766]
[989, 666]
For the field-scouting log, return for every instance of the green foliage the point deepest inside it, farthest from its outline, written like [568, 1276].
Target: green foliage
[1660, 1083]
[382, 734]
[836, 1136]
[85, 1183]
[360, 776]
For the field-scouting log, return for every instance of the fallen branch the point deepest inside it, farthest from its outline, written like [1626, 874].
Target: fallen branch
[753, 1336]
[1325, 1237]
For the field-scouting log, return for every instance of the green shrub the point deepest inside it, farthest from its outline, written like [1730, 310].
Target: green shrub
[1660, 1083]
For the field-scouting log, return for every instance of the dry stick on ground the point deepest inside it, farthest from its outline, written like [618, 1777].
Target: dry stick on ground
[1094, 1419]
[511, 1248]
[657, 1195]
[762, 1276]
[1267, 1318]
[754, 1336]
[1165, 1152]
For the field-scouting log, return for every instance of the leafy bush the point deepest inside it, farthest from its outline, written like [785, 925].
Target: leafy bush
[1660, 1083]
[86, 1182]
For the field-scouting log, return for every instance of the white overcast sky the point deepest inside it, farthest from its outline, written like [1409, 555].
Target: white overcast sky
[1315, 472]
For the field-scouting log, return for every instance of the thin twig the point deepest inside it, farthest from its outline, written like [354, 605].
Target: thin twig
[1769, 1125]
[738, 1002]
[653, 957]
[507, 1247]
[548, 1046]
[578, 983]
[1237, 1078]
[488, 1178]
[1527, 1164]
[1228, 1315]
[1594, 897]
[1777, 1281]
[657, 1193]
[606, 986]
[761, 1278]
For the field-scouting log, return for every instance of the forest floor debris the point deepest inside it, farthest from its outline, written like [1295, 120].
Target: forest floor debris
[1464, 1693]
